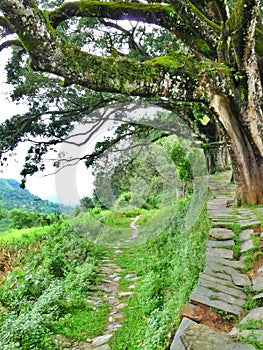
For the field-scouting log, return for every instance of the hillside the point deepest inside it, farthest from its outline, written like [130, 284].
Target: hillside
[13, 196]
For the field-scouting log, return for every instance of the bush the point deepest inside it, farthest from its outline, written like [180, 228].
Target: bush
[21, 218]
[51, 281]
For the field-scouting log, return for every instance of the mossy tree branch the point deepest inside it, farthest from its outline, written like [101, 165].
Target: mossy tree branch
[185, 24]
[5, 25]
[9, 43]
[168, 76]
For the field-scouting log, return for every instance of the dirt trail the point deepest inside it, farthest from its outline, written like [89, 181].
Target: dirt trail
[109, 288]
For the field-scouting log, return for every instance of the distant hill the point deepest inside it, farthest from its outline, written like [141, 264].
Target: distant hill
[13, 196]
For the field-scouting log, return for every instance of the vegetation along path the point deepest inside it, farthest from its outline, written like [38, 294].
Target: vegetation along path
[224, 285]
[109, 292]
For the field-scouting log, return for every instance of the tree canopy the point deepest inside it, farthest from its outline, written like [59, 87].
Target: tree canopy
[183, 55]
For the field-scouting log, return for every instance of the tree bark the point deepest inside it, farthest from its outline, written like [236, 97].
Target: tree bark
[247, 159]
[223, 50]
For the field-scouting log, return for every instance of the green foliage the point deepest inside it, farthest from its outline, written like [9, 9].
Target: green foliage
[20, 218]
[83, 322]
[182, 162]
[13, 196]
[169, 266]
[49, 285]
[87, 203]
[23, 235]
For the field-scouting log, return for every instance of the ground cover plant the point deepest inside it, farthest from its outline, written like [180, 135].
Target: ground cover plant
[169, 266]
[46, 288]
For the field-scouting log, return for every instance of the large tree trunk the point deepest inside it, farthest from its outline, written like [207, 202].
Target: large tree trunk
[246, 156]
[217, 159]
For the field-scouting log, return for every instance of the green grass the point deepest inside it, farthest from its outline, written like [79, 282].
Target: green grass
[146, 216]
[46, 290]
[169, 265]
[23, 234]
[82, 323]
[116, 218]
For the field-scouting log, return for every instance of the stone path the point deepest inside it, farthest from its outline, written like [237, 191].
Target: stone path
[222, 283]
[110, 273]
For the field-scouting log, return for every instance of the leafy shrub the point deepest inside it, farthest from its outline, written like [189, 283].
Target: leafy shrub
[21, 218]
[49, 283]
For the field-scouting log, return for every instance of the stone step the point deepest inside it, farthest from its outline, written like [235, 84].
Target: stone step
[247, 245]
[257, 284]
[177, 343]
[258, 296]
[239, 279]
[220, 244]
[245, 235]
[217, 274]
[255, 334]
[101, 340]
[103, 347]
[221, 233]
[223, 286]
[206, 296]
[231, 263]
[201, 337]
[219, 291]
[220, 252]
[254, 314]
[249, 223]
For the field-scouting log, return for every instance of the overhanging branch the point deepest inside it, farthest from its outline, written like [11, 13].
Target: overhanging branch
[185, 21]
[9, 43]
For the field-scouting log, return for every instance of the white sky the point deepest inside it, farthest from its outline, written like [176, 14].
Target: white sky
[68, 186]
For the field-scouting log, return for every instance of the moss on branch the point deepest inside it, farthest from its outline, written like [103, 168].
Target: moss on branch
[193, 34]
[151, 13]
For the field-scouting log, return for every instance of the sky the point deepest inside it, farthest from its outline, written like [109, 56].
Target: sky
[68, 186]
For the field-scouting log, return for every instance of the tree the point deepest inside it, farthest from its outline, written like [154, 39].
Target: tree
[218, 64]
[86, 203]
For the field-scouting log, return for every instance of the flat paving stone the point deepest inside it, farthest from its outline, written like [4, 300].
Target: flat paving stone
[245, 235]
[201, 337]
[210, 271]
[216, 277]
[221, 233]
[125, 294]
[220, 244]
[226, 296]
[220, 252]
[248, 223]
[258, 296]
[254, 314]
[255, 334]
[257, 284]
[229, 220]
[177, 343]
[246, 246]
[101, 340]
[260, 210]
[222, 285]
[237, 264]
[240, 279]
[203, 295]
